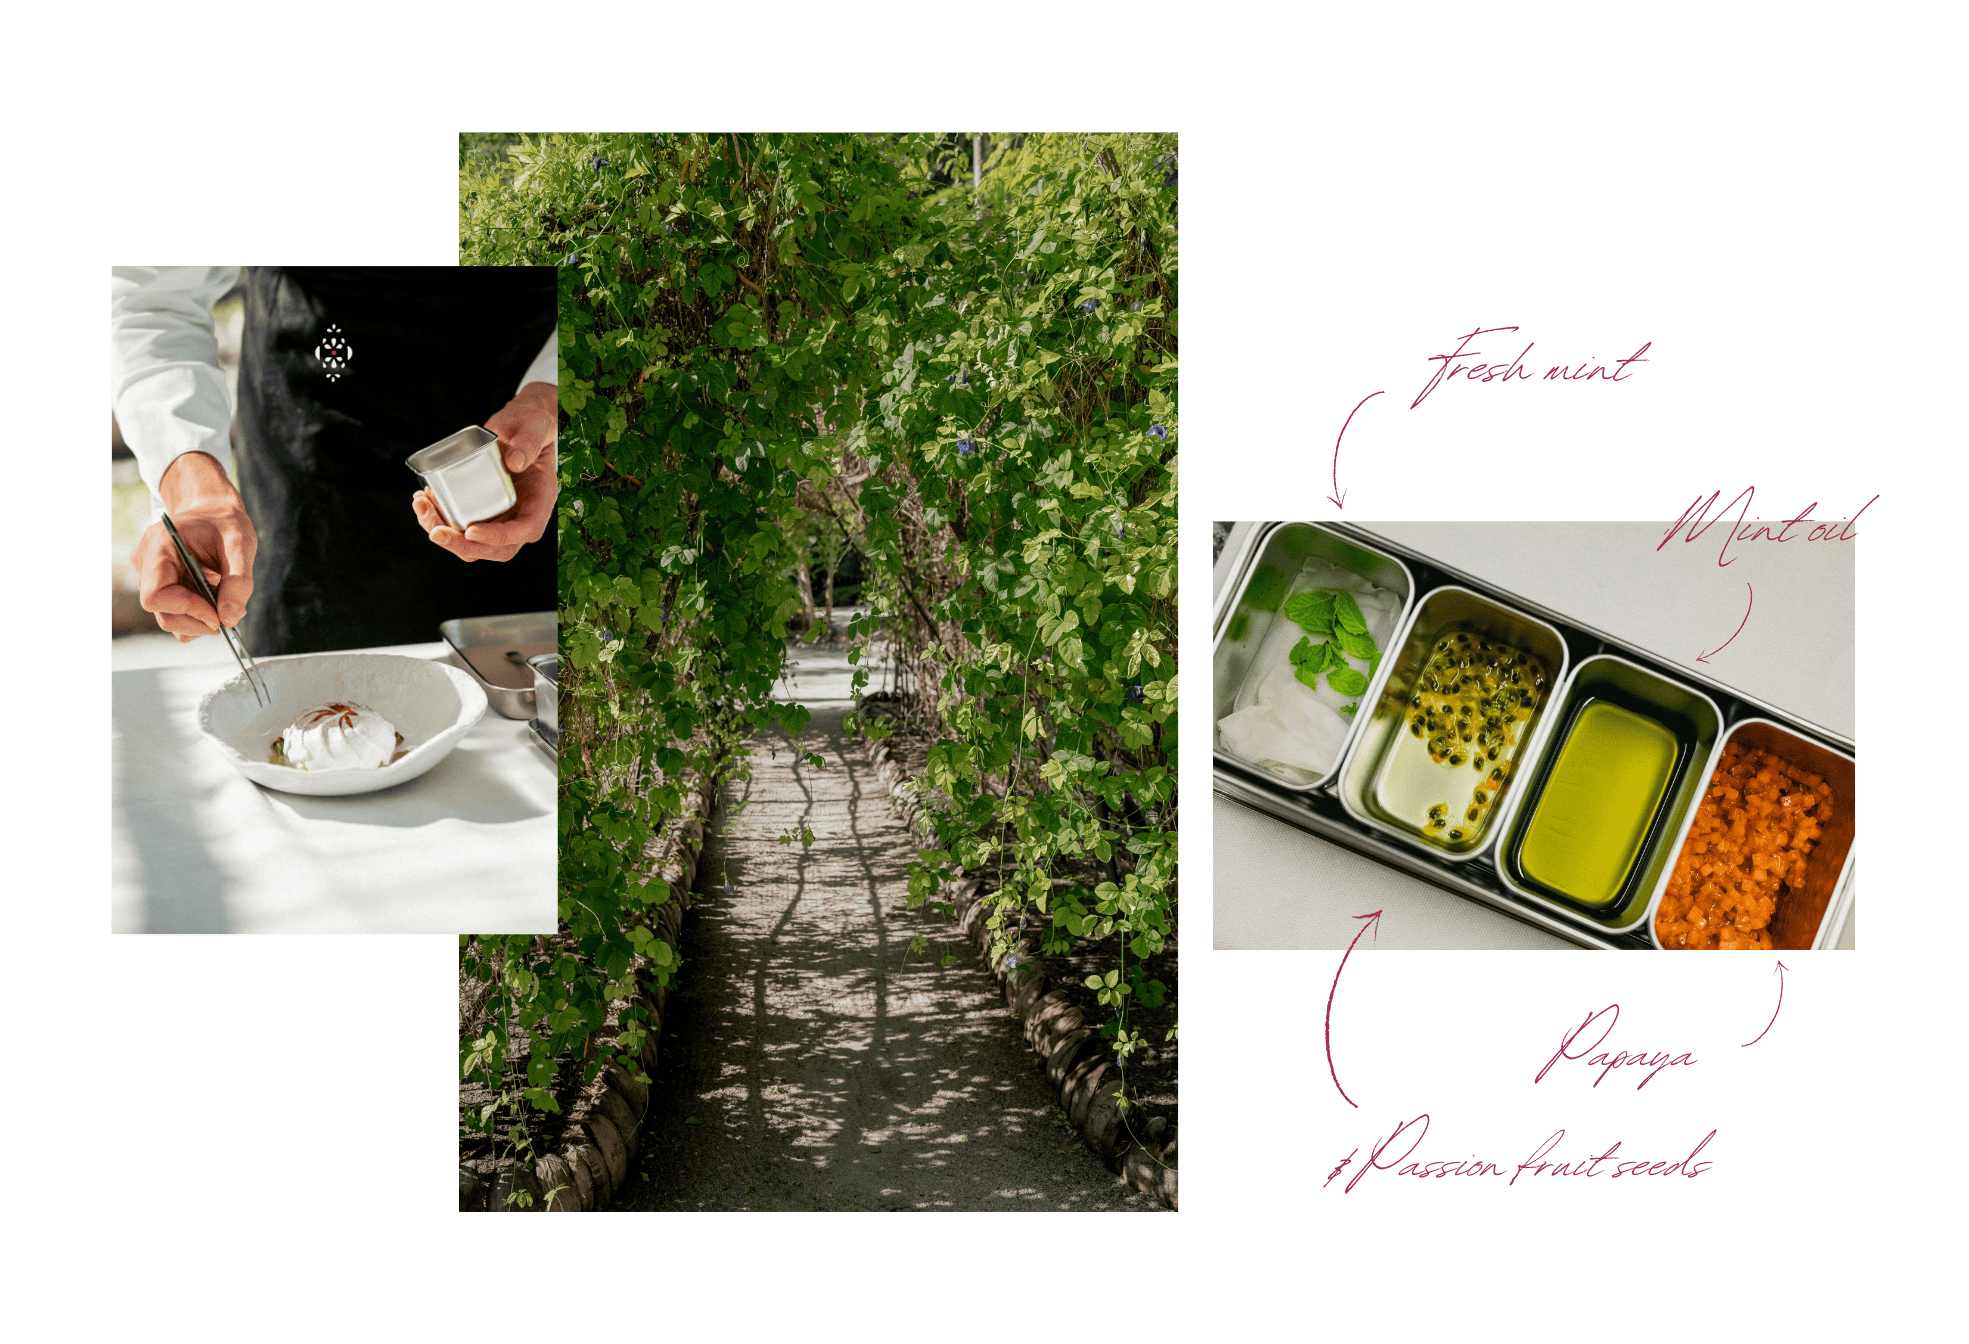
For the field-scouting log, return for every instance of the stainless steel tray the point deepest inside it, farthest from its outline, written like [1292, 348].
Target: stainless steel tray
[1319, 811]
[492, 640]
[545, 738]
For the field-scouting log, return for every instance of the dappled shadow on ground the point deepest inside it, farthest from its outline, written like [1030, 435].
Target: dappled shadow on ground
[810, 1061]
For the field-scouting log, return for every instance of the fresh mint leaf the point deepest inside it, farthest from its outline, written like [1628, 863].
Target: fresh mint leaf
[1346, 681]
[1309, 660]
[1347, 613]
[1313, 612]
[1348, 710]
[1355, 645]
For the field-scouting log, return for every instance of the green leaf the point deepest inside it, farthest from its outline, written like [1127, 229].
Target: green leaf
[1309, 660]
[1355, 644]
[1346, 681]
[1347, 613]
[1310, 657]
[1313, 612]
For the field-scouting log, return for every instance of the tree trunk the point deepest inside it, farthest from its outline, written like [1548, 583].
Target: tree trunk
[806, 595]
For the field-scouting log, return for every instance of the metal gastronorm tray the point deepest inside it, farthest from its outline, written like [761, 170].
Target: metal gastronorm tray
[1319, 812]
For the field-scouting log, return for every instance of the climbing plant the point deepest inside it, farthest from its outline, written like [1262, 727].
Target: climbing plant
[767, 339]
[1022, 513]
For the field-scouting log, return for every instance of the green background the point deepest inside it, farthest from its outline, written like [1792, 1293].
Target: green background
[254, 1136]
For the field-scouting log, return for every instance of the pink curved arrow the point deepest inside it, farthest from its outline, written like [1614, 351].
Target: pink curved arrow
[1340, 499]
[1374, 923]
[1774, 1012]
[1704, 657]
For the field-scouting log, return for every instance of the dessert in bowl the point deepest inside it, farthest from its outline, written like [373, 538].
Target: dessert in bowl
[342, 723]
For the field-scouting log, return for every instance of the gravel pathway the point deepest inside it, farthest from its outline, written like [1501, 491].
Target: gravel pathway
[809, 1061]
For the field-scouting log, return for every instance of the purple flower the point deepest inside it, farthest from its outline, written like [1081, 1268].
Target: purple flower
[1012, 962]
[965, 447]
[1090, 305]
[1158, 432]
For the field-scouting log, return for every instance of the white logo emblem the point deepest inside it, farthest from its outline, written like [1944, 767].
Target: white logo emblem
[334, 353]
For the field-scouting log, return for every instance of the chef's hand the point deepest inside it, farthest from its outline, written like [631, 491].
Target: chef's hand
[212, 519]
[526, 429]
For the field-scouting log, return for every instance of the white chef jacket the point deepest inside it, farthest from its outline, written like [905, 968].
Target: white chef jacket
[165, 383]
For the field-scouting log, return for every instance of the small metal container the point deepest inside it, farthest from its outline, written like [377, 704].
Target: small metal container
[466, 476]
[546, 689]
[1376, 742]
[1810, 916]
[1247, 621]
[1696, 723]
[545, 738]
[496, 650]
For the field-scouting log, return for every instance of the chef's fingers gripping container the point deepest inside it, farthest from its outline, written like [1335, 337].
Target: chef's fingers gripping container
[1289, 558]
[1334, 807]
[465, 476]
[1604, 806]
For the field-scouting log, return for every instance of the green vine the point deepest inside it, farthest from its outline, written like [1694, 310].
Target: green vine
[772, 342]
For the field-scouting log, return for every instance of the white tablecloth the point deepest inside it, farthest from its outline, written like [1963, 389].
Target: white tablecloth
[1274, 886]
[469, 847]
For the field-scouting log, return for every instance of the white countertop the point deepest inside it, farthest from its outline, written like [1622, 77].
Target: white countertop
[1274, 886]
[469, 847]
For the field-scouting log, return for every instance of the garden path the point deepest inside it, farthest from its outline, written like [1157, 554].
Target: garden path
[810, 1062]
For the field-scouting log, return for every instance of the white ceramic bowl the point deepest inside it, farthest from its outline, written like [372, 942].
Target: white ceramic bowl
[432, 704]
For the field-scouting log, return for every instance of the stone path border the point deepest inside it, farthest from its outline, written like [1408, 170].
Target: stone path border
[599, 1141]
[1075, 1058]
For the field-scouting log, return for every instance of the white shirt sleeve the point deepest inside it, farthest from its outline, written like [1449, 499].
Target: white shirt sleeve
[546, 366]
[166, 386]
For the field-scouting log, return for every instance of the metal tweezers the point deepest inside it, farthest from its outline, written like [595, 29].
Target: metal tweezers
[197, 572]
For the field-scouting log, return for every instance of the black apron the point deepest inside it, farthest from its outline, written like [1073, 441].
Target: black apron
[344, 373]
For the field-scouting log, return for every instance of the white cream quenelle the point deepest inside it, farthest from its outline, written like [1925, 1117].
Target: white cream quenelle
[339, 736]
